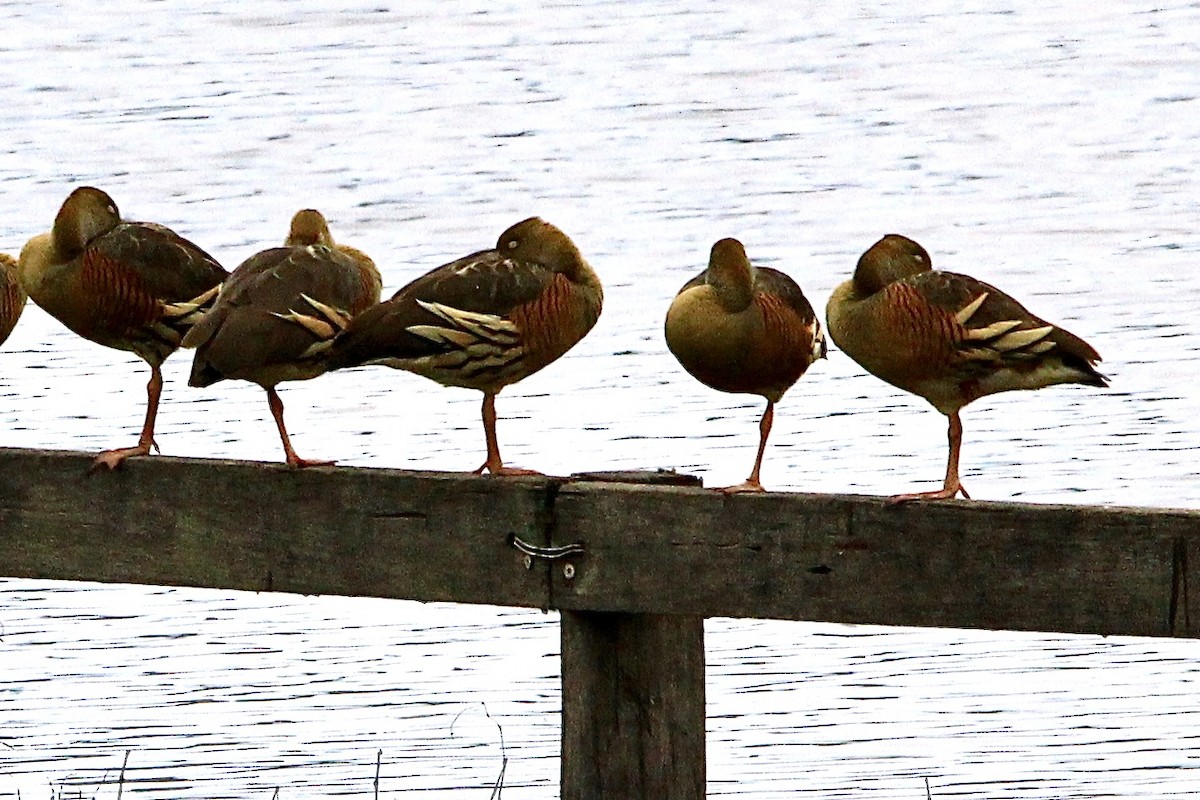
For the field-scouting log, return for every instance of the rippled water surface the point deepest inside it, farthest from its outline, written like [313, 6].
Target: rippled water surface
[1052, 150]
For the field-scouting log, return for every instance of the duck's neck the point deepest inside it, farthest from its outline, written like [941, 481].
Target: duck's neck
[37, 257]
[732, 278]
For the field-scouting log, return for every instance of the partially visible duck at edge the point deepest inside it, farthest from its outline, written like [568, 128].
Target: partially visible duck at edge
[948, 338]
[134, 286]
[747, 330]
[277, 308]
[12, 296]
[484, 321]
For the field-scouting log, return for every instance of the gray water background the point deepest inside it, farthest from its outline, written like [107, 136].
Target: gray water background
[1050, 149]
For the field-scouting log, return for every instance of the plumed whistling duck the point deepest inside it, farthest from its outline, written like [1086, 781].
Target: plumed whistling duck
[276, 308]
[744, 329]
[948, 338]
[484, 321]
[133, 286]
[12, 296]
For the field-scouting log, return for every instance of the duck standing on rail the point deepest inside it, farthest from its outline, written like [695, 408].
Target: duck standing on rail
[12, 296]
[948, 338]
[747, 330]
[133, 286]
[276, 308]
[484, 321]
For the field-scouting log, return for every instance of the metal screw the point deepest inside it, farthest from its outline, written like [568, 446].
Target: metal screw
[568, 571]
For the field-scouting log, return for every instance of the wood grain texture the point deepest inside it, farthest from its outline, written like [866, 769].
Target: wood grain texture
[862, 560]
[264, 527]
[633, 706]
[648, 549]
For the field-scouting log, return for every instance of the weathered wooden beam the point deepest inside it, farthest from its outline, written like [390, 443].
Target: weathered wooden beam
[648, 549]
[633, 706]
[263, 527]
[851, 559]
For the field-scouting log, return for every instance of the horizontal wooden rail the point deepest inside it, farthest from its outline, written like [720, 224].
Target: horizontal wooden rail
[853, 559]
[645, 548]
[633, 566]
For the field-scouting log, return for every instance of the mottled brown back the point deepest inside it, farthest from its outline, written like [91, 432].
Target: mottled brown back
[242, 334]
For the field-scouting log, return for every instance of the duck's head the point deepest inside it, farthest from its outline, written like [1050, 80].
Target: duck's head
[308, 228]
[87, 212]
[536, 240]
[731, 275]
[892, 258]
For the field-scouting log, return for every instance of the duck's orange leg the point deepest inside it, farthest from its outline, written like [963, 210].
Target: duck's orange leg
[952, 485]
[293, 460]
[752, 484]
[494, 464]
[111, 459]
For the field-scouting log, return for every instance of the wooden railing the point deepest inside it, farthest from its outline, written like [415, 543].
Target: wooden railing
[634, 563]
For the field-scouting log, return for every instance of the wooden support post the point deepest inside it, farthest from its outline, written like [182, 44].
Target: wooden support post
[633, 706]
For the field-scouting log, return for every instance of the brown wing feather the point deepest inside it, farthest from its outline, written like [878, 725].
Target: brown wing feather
[483, 282]
[952, 339]
[785, 291]
[169, 267]
[125, 279]
[992, 338]
[245, 336]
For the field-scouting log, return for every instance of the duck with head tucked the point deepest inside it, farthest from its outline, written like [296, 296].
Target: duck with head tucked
[134, 286]
[948, 338]
[279, 306]
[747, 330]
[12, 296]
[484, 321]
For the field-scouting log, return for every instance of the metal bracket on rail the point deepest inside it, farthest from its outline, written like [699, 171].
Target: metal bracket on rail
[533, 551]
